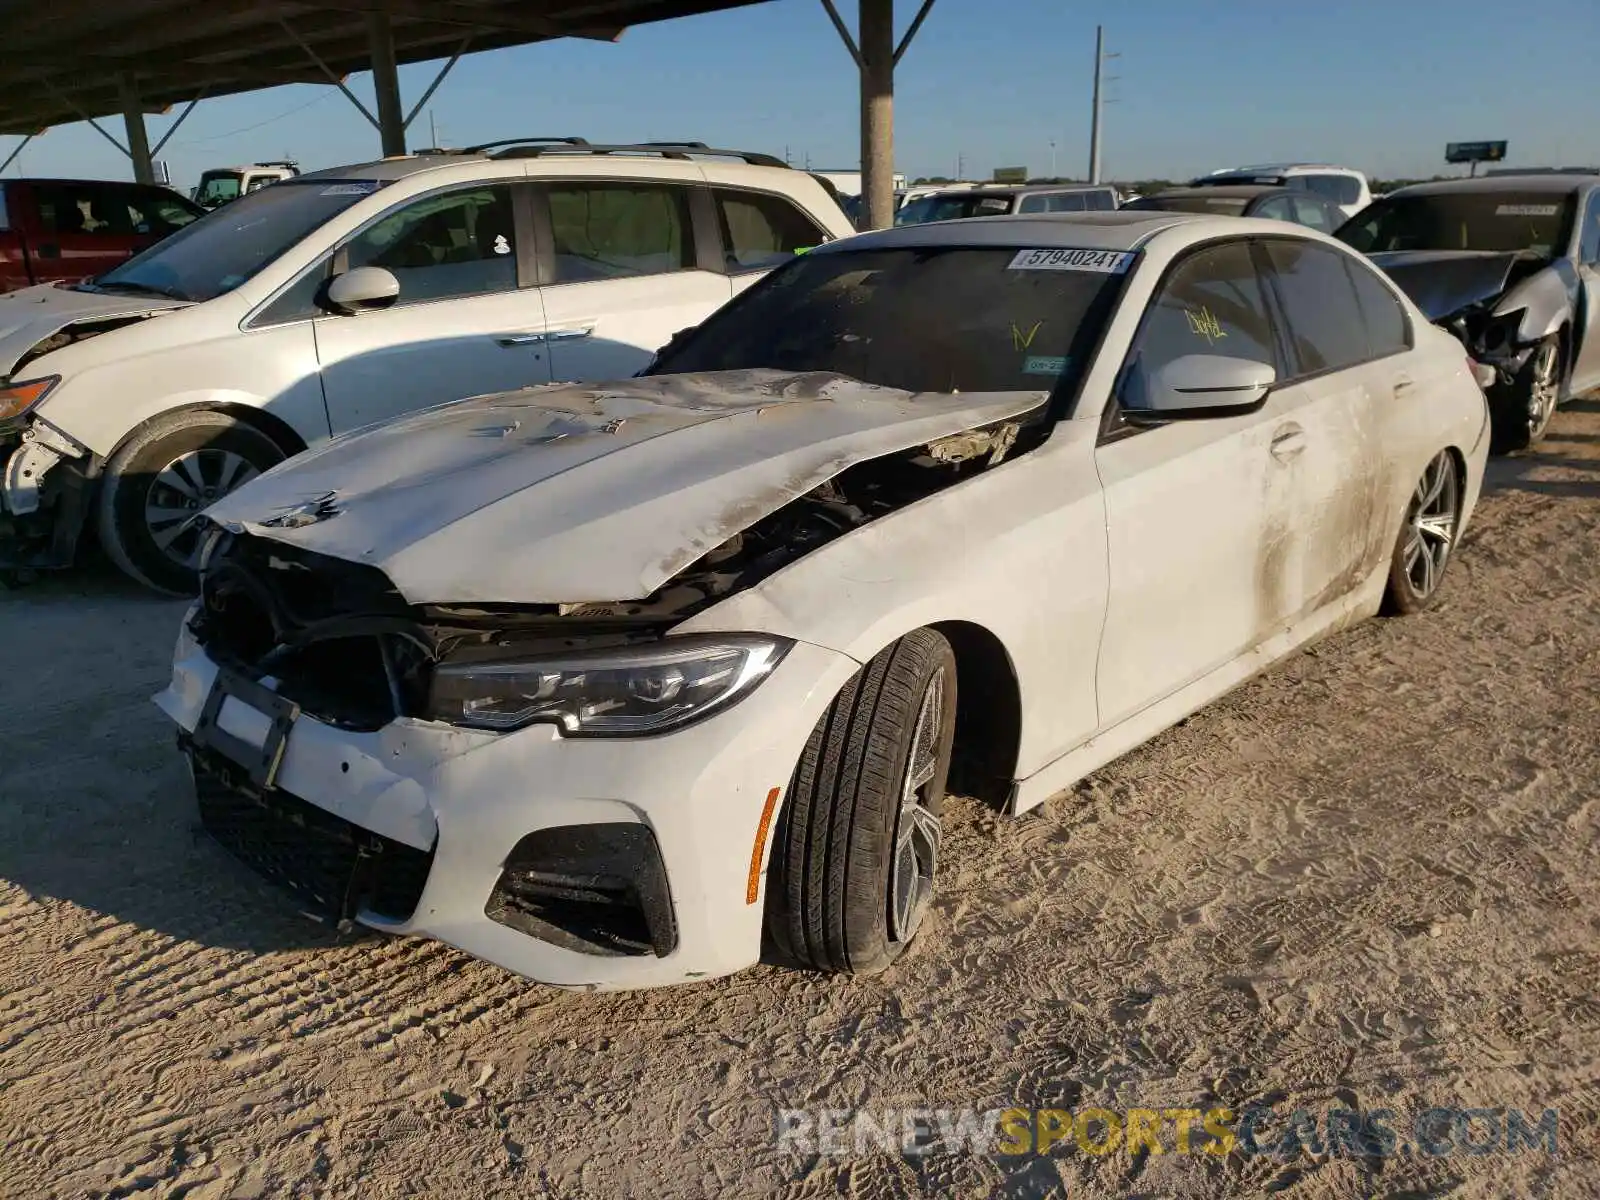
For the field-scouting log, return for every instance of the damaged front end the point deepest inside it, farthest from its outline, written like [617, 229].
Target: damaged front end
[46, 480]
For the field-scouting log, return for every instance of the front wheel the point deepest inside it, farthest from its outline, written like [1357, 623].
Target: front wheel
[159, 482]
[858, 847]
[1427, 537]
[1521, 410]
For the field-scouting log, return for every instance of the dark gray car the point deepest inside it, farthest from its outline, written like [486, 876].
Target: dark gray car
[1248, 200]
[1511, 265]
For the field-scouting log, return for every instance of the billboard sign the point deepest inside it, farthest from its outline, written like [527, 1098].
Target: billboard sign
[1474, 152]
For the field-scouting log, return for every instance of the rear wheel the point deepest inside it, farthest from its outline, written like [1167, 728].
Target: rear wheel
[1522, 409]
[159, 482]
[855, 861]
[1427, 537]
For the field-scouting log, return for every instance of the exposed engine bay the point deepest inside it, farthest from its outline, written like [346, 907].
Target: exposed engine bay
[338, 639]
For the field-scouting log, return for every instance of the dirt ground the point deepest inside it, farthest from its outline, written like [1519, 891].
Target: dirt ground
[1367, 879]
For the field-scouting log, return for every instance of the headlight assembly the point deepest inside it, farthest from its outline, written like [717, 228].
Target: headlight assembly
[630, 691]
[18, 398]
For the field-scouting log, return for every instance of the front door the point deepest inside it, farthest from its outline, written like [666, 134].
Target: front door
[1586, 322]
[1198, 512]
[623, 275]
[463, 324]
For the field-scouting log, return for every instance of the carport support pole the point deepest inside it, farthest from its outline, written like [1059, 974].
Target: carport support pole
[138, 140]
[386, 84]
[877, 111]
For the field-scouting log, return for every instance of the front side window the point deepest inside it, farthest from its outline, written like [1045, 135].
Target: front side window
[1315, 214]
[1275, 209]
[761, 231]
[1508, 221]
[1210, 304]
[217, 187]
[1323, 322]
[1102, 201]
[159, 213]
[618, 230]
[444, 246]
[924, 319]
[217, 253]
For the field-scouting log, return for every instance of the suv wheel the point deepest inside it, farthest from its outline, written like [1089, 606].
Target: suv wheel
[854, 864]
[159, 482]
[1427, 536]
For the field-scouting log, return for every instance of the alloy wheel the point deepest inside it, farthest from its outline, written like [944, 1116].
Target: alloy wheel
[1543, 388]
[184, 489]
[1431, 522]
[917, 829]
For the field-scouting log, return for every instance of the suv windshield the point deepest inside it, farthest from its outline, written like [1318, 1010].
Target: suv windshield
[953, 208]
[220, 251]
[923, 319]
[1503, 221]
[218, 186]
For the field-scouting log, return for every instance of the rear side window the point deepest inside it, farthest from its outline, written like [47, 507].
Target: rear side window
[1275, 209]
[1388, 328]
[1211, 303]
[1588, 237]
[1316, 214]
[1340, 189]
[71, 208]
[618, 230]
[761, 231]
[158, 213]
[1324, 326]
[5, 221]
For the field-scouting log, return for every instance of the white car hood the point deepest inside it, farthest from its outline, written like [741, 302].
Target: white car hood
[580, 492]
[32, 314]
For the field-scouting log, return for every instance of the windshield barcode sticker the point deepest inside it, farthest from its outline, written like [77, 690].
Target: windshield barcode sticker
[1527, 210]
[1104, 262]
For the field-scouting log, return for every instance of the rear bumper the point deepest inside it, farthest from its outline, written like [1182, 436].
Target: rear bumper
[649, 840]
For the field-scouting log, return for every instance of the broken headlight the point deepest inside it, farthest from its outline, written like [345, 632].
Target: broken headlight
[626, 692]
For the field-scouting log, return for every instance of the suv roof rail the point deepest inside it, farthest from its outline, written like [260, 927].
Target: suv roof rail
[481, 147]
[278, 162]
[533, 148]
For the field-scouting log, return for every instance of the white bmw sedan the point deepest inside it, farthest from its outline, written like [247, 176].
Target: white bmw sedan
[605, 683]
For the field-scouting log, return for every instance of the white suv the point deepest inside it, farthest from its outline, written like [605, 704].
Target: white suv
[1343, 186]
[350, 296]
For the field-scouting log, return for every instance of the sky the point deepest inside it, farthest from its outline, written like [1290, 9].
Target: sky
[987, 83]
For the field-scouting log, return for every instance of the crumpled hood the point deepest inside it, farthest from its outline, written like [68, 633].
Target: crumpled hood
[580, 492]
[1443, 282]
[32, 314]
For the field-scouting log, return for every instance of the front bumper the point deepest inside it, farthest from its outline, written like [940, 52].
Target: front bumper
[46, 481]
[453, 809]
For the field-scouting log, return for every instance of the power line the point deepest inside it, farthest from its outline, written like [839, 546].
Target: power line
[217, 137]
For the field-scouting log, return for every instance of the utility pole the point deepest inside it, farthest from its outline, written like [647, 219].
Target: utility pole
[1053, 174]
[433, 131]
[1100, 57]
[961, 166]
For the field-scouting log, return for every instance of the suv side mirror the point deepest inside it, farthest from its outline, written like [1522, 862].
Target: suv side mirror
[1197, 386]
[363, 288]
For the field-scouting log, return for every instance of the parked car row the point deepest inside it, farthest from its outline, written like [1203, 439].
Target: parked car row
[660, 648]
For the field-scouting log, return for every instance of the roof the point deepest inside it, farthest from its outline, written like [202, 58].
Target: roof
[1269, 168]
[1122, 230]
[1558, 185]
[63, 58]
[1227, 191]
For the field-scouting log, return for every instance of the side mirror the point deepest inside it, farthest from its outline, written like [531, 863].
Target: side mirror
[362, 288]
[1197, 386]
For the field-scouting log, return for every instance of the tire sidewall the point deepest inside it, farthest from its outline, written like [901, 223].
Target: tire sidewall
[124, 534]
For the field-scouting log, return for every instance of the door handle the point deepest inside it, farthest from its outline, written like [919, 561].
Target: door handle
[1402, 385]
[519, 339]
[569, 335]
[1289, 442]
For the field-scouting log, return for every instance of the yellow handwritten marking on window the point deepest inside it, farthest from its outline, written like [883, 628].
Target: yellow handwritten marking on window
[1023, 341]
[1203, 323]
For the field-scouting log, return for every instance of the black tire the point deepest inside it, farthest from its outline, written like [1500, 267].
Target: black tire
[1520, 411]
[830, 904]
[1428, 531]
[134, 485]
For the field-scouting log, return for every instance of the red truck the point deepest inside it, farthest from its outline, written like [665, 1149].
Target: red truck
[69, 229]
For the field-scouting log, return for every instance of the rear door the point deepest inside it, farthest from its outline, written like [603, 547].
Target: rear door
[1329, 426]
[467, 321]
[624, 265]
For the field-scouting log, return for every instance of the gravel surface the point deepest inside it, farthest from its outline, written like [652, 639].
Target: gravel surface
[1366, 879]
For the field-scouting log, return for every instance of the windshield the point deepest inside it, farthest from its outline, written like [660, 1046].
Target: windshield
[1503, 221]
[952, 208]
[221, 250]
[1223, 206]
[217, 186]
[923, 319]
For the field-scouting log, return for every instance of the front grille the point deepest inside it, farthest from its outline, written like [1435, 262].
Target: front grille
[336, 868]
